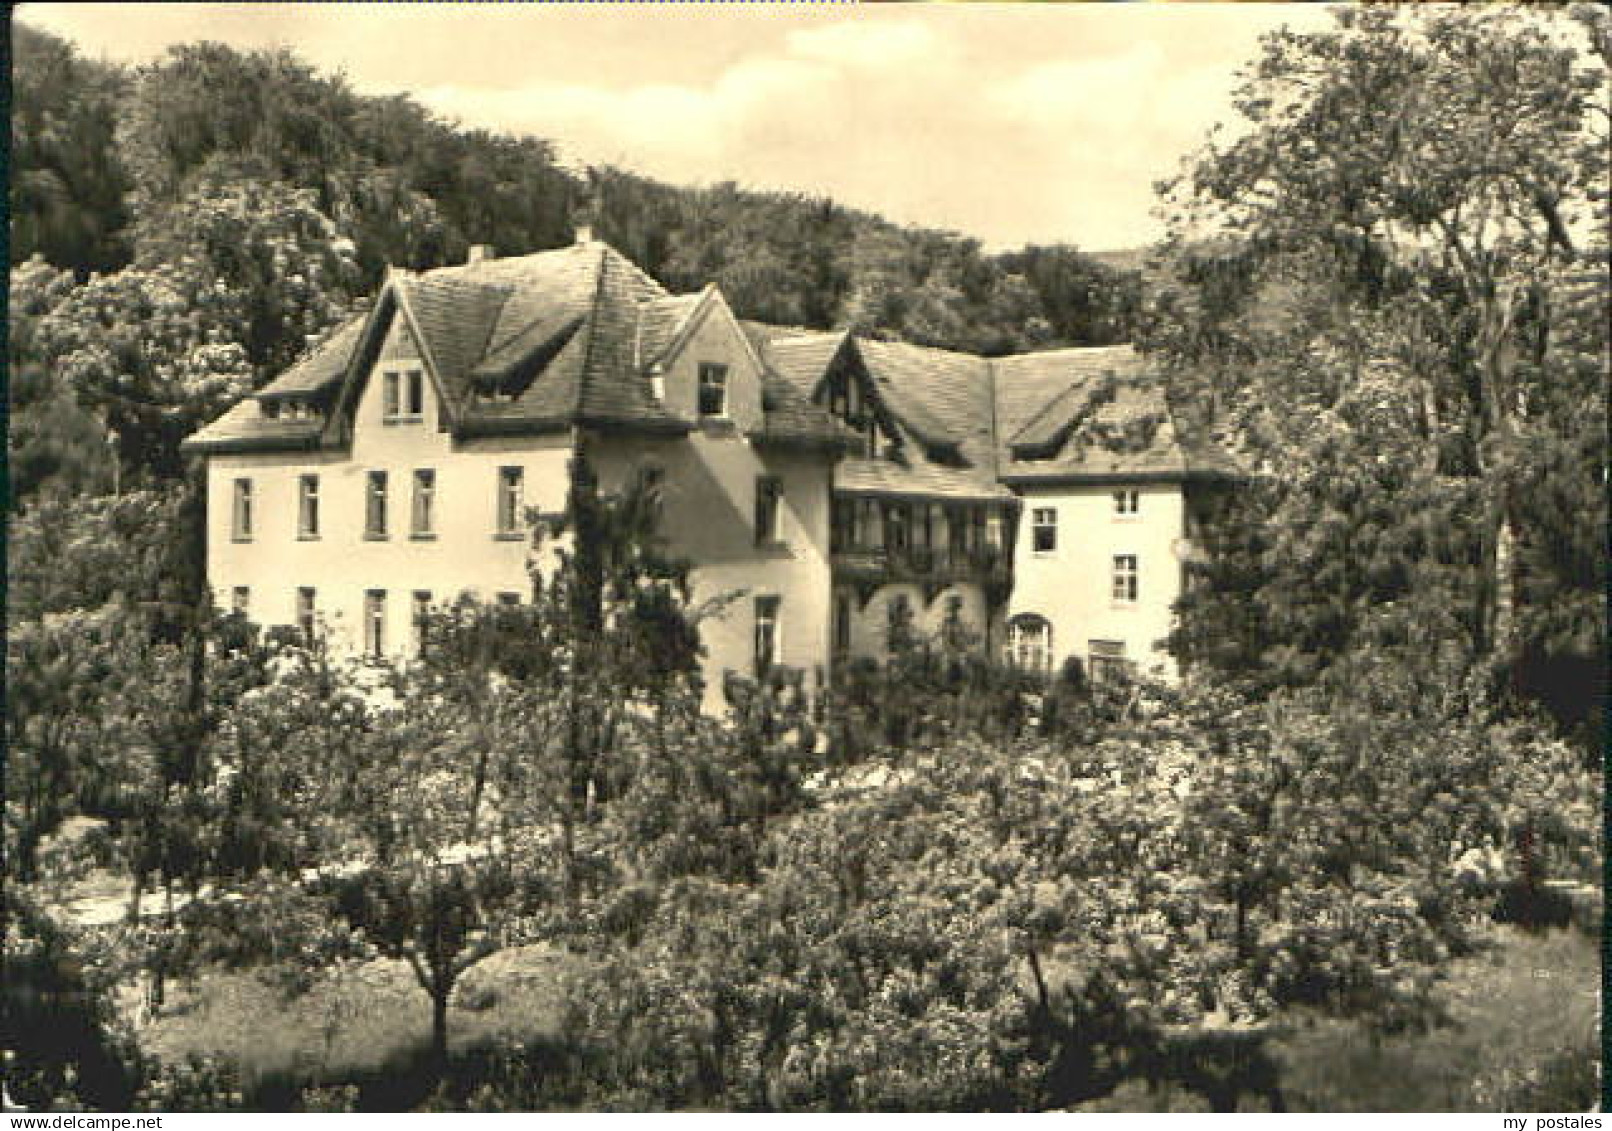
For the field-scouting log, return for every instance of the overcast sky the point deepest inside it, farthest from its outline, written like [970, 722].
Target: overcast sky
[1012, 123]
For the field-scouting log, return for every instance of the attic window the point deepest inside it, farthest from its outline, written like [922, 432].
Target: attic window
[402, 396]
[713, 390]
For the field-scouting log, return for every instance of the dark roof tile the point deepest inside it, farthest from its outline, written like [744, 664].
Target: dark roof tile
[1094, 414]
[566, 337]
[886, 477]
[244, 428]
[322, 368]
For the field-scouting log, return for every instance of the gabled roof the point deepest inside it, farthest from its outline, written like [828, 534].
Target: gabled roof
[942, 398]
[940, 401]
[665, 323]
[928, 392]
[1093, 414]
[569, 337]
[1028, 385]
[801, 357]
[559, 338]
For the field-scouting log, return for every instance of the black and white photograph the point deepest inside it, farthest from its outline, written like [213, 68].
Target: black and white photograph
[831, 557]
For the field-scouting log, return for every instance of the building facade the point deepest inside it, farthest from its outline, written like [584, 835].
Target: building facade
[823, 485]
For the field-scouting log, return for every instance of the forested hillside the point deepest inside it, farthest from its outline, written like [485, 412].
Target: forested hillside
[198, 217]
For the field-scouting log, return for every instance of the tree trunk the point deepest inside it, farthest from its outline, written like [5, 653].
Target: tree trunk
[478, 787]
[1242, 925]
[1503, 636]
[439, 1025]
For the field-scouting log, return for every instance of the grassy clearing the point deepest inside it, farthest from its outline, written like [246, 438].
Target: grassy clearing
[1524, 1035]
[354, 1023]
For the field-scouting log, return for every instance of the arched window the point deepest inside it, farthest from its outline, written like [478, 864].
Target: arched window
[1030, 642]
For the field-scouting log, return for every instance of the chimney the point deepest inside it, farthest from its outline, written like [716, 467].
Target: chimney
[480, 253]
[584, 205]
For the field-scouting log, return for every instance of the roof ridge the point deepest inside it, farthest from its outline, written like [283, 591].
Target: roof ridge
[635, 272]
[590, 328]
[963, 354]
[1070, 350]
[698, 301]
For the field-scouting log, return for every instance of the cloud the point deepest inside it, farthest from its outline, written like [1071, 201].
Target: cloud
[864, 44]
[898, 117]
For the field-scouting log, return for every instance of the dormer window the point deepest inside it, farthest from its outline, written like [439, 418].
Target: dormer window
[713, 390]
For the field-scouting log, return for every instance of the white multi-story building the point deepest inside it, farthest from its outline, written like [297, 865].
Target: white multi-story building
[813, 479]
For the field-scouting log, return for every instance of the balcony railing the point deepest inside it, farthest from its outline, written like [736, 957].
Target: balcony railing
[919, 563]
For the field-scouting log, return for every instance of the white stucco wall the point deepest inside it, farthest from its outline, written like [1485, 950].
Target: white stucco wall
[341, 565]
[716, 338]
[870, 623]
[1072, 586]
[709, 518]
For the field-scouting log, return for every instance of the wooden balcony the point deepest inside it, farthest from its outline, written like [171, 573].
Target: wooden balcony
[986, 565]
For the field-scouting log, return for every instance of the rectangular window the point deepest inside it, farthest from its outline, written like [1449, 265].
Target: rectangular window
[897, 527]
[375, 622]
[511, 488]
[769, 493]
[424, 510]
[420, 617]
[842, 525]
[1044, 529]
[390, 400]
[240, 600]
[1127, 502]
[375, 506]
[308, 507]
[923, 529]
[873, 524]
[1030, 643]
[241, 523]
[842, 624]
[306, 614]
[1125, 578]
[1106, 659]
[713, 389]
[414, 402]
[766, 634]
[957, 528]
[507, 600]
